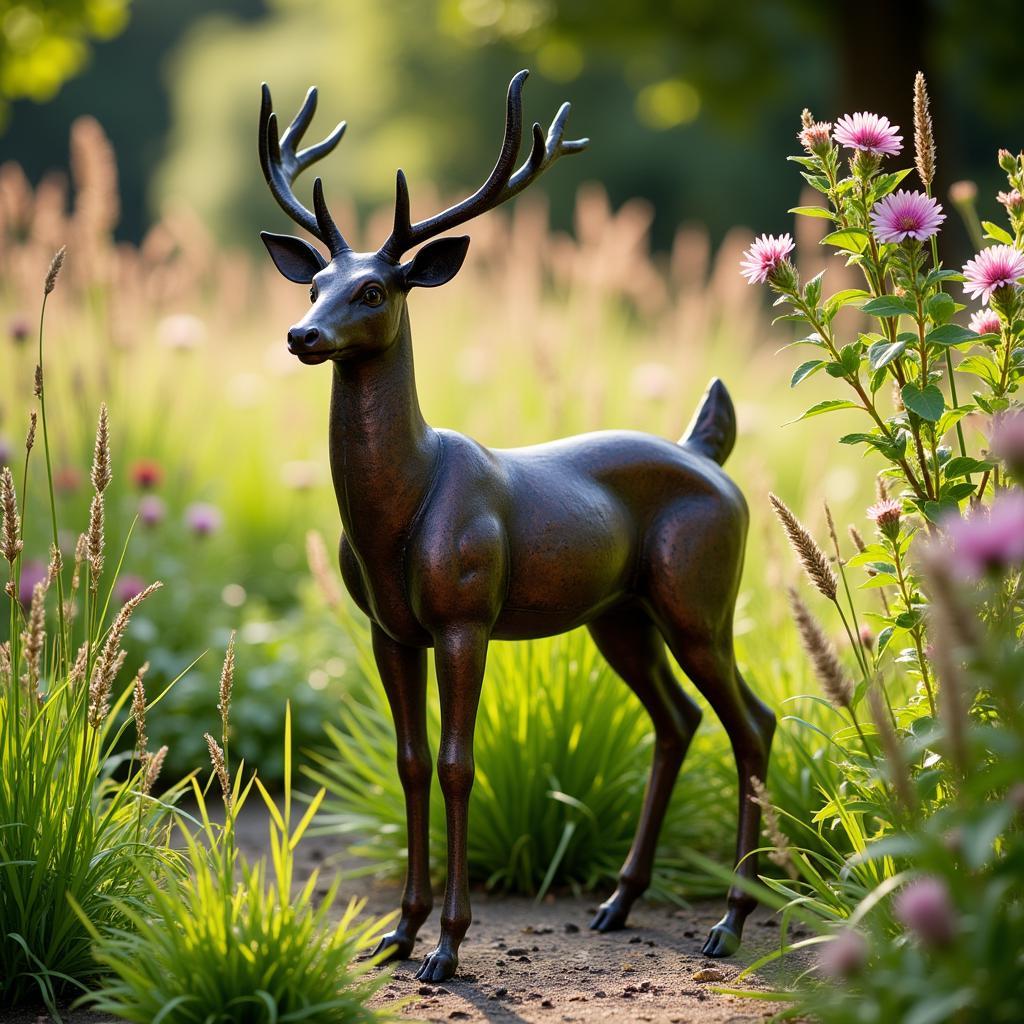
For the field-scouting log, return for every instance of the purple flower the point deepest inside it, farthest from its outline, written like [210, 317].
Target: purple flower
[885, 514]
[868, 133]
[32, 572]
[765, 256]
[925, 907]
[845, 956]
[152, 510]
[1007, 440]
[128, 586]
[985, 321]
[906, 215]
[998, 266]
[988, 540]
[19, 329]
[5, 451]
[203, 519]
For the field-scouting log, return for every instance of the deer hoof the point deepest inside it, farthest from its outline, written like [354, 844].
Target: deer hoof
[724, 940]
[438, 966]
[395, 945]
[611, 916]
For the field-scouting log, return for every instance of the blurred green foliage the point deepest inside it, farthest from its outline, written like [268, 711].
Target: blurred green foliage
[45, 42]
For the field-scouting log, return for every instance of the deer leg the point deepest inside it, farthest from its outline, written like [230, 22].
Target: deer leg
[403, 671]
[460, 655]
[749, 724]
[634, 648]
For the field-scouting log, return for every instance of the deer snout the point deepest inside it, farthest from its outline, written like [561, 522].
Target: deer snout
[302, 338]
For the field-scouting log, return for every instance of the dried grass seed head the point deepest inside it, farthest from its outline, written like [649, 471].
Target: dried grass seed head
[813, 559]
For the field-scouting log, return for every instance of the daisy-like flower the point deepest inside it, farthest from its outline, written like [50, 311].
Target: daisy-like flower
[985, 321]
[765, 257]
[885, 514]
[997, 266]
[905, 215]
[869, 133]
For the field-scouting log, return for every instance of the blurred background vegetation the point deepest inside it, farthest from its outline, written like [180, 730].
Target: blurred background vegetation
[689, 103]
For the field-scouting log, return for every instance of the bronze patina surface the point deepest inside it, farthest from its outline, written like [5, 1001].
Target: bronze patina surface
[448, 544]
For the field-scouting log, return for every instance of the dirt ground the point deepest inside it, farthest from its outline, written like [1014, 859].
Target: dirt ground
[524, 961]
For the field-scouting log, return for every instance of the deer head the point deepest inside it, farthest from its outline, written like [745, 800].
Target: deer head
[358, 298]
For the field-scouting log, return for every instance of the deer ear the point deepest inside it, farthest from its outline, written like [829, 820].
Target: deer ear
[295, 258]
[436, 263]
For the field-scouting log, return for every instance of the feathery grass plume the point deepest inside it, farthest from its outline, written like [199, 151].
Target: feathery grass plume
[899, 776]
[924, 136]
[858, 540]
[55, 264]
[151, 765]
[10, 527]
[37, 382]
[33, 638]
[227, 679]
[94, 543]
[101, 474]
[806, 118]
[56, 566]
[111, 658]
[832, 528]
[815, 563]
[30, 437]
[881, 489]
[320, 567]
[6, 668]
[139, 711]
[77, 673]
[835, 681]
[779, 855]
[217, 760]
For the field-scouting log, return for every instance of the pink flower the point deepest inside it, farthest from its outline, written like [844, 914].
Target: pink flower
[816, 137]
[906, 215]
[765, 256]
[152, 510]
[885, 514]
[32, 572]
[926, 908]
[147, 474]
[988, 540]
[5, 451]
[1012, 200]
[867, 636]
[845, 956]
[1007, 442]
[985, 321]
[128, 586]
[868, 133]
[997, 266]
[203, 519]
[19, 329]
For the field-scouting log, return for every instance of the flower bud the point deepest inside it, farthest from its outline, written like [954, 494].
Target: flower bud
[845, 956]
[926, 908]
[1007, 161]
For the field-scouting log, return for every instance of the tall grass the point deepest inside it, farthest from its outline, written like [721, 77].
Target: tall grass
[71, 833]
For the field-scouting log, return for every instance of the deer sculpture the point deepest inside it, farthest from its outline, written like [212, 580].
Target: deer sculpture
[447, 544]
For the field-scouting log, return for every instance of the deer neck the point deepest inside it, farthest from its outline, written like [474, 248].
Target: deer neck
[383, 454]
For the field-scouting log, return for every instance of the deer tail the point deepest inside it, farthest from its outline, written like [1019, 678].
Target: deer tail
[712, 431]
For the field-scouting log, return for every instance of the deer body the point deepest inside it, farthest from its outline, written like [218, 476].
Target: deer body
[447, 544]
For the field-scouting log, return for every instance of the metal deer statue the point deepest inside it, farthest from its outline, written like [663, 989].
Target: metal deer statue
[448, 544]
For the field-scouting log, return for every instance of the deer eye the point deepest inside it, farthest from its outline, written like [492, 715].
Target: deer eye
[373, 295]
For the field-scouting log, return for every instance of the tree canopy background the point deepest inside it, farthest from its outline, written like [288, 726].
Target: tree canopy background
[691, 104]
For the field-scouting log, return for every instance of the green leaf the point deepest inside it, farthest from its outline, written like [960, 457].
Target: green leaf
[849, 239]
[929, 403]
[817, 181]
[889, 305]
[996, 233]
[843, 298]
[962, 465]
[889, 449]
[831, 405]
[981, 366]
[950, 334]
[812, 291]
[952, 417]
[813, 211]
[805, 370]
[956, 492]
[940, 307]
[936, 511]
[885, 183]
[881, 353]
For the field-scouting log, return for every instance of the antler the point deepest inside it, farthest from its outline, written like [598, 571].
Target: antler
[282, 165]
[500, 186]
